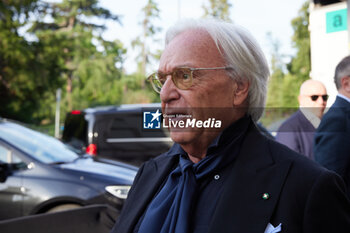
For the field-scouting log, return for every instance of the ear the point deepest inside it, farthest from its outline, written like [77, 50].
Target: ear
[345, 84]
[299, 99]
[240, 92]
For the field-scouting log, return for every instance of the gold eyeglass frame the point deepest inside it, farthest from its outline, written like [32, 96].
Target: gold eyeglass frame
[154, 77]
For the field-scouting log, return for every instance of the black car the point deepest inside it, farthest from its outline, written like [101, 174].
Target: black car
[116, 132]
[40, 174]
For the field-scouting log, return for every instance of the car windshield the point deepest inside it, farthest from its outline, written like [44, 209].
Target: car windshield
[38, 145]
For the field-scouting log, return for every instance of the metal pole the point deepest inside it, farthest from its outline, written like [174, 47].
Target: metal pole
[57, 117]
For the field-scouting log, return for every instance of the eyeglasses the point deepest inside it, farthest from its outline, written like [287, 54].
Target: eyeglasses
[315, 97]
[182, 77]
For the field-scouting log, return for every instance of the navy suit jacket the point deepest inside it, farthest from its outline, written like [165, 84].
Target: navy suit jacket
[332, 140]
[303, 196]
[297, 133]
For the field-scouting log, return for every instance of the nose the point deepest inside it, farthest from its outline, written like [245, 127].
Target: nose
[169, 91]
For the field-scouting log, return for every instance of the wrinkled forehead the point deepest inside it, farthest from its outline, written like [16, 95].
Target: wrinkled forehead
[193, 47]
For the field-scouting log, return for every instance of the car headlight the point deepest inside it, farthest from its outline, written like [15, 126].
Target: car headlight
[119, 191]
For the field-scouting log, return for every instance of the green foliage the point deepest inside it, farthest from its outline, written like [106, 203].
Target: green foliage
[149, 31]
[290, 90]
[218, 9]
[96, 83]
[79, 59]
[68, 52]
[133, 91]
[151, 12]
[301, 64]
[284, 84]
[21, 83]
[139, 96]
[284, 87]
[274, 95]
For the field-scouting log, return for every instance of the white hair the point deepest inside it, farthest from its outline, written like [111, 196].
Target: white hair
[240, 51]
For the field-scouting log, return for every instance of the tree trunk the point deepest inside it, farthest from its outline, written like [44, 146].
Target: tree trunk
[69, 93]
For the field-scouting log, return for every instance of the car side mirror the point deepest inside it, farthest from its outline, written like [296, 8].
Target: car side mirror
[5, 171]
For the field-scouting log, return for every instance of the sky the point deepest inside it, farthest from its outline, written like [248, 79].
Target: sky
[258, 16]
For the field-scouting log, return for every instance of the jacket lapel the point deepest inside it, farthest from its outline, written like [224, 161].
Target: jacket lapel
[253, 188]
[157, 169]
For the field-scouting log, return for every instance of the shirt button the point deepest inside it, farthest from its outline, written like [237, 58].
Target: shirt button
[216, 177]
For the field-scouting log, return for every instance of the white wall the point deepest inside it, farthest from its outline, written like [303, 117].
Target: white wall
[327, 49]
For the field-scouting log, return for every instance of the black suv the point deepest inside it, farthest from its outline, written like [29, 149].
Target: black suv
[116, 132]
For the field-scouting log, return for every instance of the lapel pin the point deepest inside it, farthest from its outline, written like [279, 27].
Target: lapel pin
[266, 196]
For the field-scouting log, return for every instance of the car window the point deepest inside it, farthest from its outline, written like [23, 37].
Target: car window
[75, 130]
[4, 154]
[127, 126]
[40, 146]
[10, 157]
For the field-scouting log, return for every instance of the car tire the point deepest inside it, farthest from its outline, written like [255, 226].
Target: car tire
[63, 207]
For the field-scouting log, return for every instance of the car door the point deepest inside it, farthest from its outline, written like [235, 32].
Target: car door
[11, 195]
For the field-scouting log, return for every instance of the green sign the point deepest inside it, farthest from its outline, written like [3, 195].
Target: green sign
[336, 21]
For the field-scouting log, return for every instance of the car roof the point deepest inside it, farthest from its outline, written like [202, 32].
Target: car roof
[123, 107]
[13, 124]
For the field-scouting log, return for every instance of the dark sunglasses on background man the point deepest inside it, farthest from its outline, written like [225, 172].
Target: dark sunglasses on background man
[315, 97]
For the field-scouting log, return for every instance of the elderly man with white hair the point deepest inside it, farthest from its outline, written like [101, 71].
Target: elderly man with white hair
[222, 174]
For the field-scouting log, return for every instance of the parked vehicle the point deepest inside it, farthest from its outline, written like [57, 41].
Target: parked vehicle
[115, 132]
[39, 174]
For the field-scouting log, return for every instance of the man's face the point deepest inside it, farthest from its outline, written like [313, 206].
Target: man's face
[210, 89]
[309, 91]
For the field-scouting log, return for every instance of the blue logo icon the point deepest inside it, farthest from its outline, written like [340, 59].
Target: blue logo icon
[151, 120]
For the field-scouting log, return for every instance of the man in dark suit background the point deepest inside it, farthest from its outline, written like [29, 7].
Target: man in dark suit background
[222, 174]
[332, 139]
[298, 131]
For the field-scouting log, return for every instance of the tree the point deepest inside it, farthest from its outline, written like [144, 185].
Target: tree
[298, 69]
[149, 30]
[300, 65]
[218, 9]
[21, 83]
[72, 43]
[136, 90]
[274, 96]
[283, 89]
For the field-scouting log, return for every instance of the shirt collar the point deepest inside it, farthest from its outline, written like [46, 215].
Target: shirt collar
[312, 118]
[344, 97]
